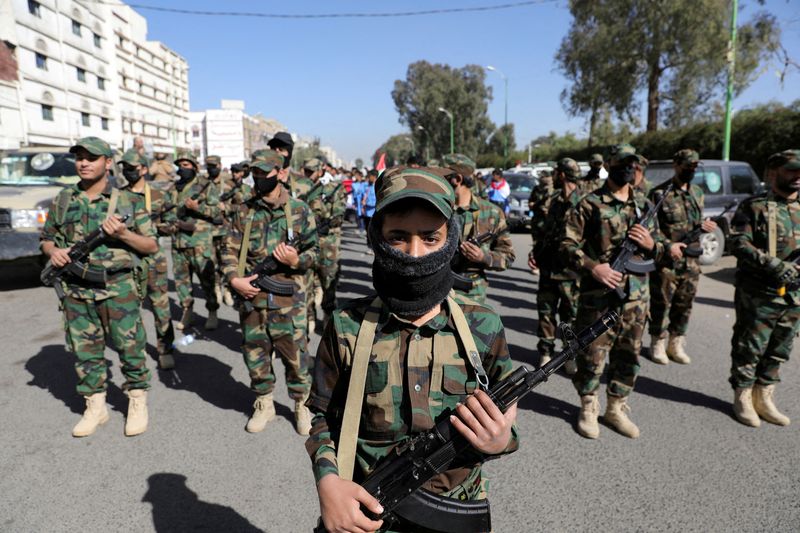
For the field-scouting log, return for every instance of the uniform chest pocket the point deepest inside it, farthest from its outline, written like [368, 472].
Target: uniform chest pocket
[377, 377]
[673, 213]
[614, 224]
[456, 379]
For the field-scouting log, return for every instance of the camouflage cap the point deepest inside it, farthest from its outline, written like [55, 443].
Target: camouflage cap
[93, 145]
[269, 156]
[620, 152]
[396, 184]
[213, 160]
[313, 164]
[266, 166]
[687, 155]
[569, 167]
[544, 173]
[596, 158]
[132, 157]
[643, 161]
[459, 163]
[788, 159]
[186, 156]
[244, 164]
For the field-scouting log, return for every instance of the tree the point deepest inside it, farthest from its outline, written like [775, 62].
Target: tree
[496, 142]
[304, 152]
[462, 91]
[397, 149]
[673, 50]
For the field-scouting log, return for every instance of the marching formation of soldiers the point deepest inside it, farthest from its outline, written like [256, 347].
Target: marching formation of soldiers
[266, 240]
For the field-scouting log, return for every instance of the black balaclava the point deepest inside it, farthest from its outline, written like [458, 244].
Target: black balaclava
[412, 286]
[213, 171]
[622, 174]
[185, 175]
[131, 174]
[686, 174]
[594, 172]
[265, 185]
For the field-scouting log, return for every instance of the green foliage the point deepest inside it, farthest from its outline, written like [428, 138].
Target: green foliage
[673, 50]
[462, 91]
[397, 149]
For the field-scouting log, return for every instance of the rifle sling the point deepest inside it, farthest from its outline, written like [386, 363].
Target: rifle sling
[772, 229]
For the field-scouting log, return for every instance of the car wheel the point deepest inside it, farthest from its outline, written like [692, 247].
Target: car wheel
[713, 245]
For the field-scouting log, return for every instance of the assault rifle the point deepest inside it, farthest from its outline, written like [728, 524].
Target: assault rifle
[693, 236]
[182, 208]
[398, 479]
[623, 260]
[460, 281]
[77, 267]
[224, 197]
[790, 282]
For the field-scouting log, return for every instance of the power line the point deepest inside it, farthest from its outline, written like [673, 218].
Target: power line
[442, 11]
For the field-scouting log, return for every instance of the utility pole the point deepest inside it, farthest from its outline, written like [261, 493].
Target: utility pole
[731, 57]
[452, 130]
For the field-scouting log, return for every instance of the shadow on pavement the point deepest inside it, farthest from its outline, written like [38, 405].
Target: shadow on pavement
[177, 508]
[53, 370]
[20, 276]
[665, 391]
[715, 302]
[549, 406]
[725, 275]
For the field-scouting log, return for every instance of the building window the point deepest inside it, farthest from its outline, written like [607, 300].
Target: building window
[121, 41]
[81, 74]
[41, 61]
[76, 28]
[85, 119]
[47, 112]
[98, 41]
[104, 123]
[35, 8]
[101, 83]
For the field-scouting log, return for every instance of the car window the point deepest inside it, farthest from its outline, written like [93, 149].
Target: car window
[709, 178]
[658, 174]
[519, 183]
[20, 168]
[742, 180]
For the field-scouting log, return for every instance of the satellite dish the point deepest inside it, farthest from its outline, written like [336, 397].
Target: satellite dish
[42, 161]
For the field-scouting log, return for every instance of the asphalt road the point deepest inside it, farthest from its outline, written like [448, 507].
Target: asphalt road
[693, 469]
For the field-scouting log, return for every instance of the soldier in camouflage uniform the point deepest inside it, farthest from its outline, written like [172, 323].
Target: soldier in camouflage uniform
[765, 239]
[592, 233]
[327, 200]
[641, 183]
[152, 275]
[415, 236]
[592, 180]
[197, 201]
[222, 182]
[558, 285]
[477, 217]
[107, 313]
[673, 284]
[260, 228]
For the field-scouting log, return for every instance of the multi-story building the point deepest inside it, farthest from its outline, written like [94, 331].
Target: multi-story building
[86, 68]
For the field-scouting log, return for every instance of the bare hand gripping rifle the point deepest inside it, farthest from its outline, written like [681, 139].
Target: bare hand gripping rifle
[460, 281]
[77, 267]
[692, 238]
[398, 479]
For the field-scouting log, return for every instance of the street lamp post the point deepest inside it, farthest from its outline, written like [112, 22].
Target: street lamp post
[452, 130]
[427, 148]
[505, 117]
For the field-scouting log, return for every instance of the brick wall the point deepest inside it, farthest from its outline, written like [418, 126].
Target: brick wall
[8, 62]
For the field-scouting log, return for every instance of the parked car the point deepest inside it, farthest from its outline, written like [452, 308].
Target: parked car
[519, 214]
[722, 182]
[30, 179]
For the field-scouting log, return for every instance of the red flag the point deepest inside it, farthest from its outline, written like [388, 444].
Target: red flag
[381, 166]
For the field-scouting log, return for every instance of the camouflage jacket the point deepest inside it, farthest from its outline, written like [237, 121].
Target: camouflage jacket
[299, 187]
[208, 198]
[644, 187]
[400, 398]
[482, 216]
[593, 232]
[680, 212]
[546, 235]
[539, 196]
[589, 184]
[327, 202]
[242, 193]
[81, 217]
[162, 215]
[750, 242]
[268, 230]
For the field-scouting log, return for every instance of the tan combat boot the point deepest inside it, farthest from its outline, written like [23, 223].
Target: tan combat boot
[166, 361]
[136, 423]
[616, 416]
[186, 319]
[96, 414]
[263, 412]
[675, 350]
[658, 350]
[218, 292]
[227, 297]
[571, 367]
[587, 418]
[211, 321]
[743, 407]
[302, 417]
[765, 407]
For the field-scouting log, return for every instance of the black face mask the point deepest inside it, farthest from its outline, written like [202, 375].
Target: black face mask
[246, 173]
[412, 286]
[185, 175]
[213, 172]
[265, 186]
[131, 174]
[621, 175]
[593, 172]
[786, 185]
[686, 175]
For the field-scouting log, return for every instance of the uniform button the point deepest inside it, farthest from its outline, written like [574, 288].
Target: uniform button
[416, 336]
[417, 387]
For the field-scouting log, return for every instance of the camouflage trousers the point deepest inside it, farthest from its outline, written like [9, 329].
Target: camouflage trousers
[480, 286]
[90, 324]
[327, 269]
[199, 261]
[554, 297]
[620, 345]
[158, 292]
[671, 295]
[266, 329]
[763, 336]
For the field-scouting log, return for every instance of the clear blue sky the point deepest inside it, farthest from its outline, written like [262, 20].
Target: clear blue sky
[332, 78]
